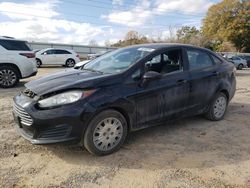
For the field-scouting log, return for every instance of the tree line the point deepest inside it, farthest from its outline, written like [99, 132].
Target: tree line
[226, 27]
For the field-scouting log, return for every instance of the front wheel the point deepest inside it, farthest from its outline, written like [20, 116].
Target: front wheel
[9, 76]
[106, 133]
[217, 108]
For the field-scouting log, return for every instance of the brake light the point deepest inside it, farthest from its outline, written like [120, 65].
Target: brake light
[77, 55]
[28, 55]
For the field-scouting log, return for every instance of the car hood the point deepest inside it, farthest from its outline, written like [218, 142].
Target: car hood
[67, 79]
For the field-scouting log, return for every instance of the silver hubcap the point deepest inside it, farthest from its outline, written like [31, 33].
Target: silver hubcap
[7, 77]
[220, 107]
[107, 134]
[70, 63]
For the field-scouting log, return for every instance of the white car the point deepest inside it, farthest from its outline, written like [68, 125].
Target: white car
[81, 63]
[52, 56]
[239, 62]
[17, 61]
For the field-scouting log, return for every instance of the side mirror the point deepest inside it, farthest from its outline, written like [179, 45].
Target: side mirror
[149, 76]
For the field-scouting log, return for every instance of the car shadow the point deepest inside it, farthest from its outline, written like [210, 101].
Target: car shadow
[187, 143]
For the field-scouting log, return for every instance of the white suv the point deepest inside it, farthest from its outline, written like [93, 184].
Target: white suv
[17, 61]
[52, 56]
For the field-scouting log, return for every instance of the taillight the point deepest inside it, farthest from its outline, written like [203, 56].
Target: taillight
[77, 55]
[28, 55]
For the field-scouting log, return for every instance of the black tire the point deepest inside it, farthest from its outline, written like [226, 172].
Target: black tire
[88, 139]
[211, 112]
[11, 73]
[38, 63]
[240, 67]
[70, 63]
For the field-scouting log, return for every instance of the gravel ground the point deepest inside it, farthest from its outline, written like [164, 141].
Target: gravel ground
[192, 152]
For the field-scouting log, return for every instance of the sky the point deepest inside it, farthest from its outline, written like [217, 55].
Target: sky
[79, 22]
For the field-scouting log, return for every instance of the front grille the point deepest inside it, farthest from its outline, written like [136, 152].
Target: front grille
[25, 118]
[58, 131]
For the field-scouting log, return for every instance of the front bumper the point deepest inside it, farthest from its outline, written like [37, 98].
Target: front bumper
[49, 126]
[32, 74]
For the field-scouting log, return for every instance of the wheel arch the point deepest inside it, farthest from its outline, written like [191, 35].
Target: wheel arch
[14, 66]
[225, 92]
[39, 60]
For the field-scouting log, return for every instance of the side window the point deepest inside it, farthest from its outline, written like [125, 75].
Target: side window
[216, 59]
[198, 59]
[167, 62]
[154, 60]
[48, 52]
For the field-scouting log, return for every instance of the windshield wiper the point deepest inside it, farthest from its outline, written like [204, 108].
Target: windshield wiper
[92, 70]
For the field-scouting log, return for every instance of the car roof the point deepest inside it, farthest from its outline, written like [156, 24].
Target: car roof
[11, 38]
[57, 49]
[165, 45]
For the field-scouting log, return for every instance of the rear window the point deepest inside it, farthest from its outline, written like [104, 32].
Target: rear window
[14, 45]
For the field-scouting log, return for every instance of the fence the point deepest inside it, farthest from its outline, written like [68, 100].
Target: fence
[82, 50]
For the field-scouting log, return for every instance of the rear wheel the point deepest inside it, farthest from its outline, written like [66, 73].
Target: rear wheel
[38, 63]
[106, 133]
[217, 108]
[240, 67]
[9, 76]
[70, 63]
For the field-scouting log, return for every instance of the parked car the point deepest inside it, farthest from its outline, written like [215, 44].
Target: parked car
[239, 62]
[247, 58]
[122, 91]
[80, 64]
[17, 61]
[52, 56]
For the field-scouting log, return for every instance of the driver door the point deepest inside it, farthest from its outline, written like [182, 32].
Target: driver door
[161, 99]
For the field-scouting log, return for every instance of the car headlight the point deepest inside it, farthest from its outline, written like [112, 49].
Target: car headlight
[61, 99]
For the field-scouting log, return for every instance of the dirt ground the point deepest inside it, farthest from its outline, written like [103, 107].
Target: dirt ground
[192, 152]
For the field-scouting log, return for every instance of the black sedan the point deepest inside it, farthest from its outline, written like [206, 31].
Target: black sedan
[122, 91]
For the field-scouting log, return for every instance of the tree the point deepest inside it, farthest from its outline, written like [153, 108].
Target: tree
[107, 43]
[131, 38]
[93, 43]
[132, 35]
[186, 34]
[229, 21]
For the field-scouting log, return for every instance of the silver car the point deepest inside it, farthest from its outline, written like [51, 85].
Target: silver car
[239, 62]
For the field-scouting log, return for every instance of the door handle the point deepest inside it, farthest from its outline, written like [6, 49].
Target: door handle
[215, 73]
[182, 81]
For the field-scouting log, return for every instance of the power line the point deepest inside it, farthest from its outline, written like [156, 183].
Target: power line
[89, 16]
[90, 22]
[127, 9]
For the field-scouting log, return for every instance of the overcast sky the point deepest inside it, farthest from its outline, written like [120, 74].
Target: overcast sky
[78, 22]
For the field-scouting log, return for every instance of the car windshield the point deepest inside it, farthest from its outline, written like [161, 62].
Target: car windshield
[118, 60]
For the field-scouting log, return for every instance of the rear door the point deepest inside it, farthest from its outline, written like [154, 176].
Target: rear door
[62, 56]
[203, 78]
